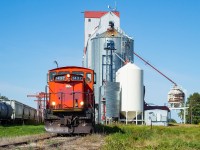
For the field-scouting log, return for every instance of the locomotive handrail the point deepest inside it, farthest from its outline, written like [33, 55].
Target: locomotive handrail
[72, 93]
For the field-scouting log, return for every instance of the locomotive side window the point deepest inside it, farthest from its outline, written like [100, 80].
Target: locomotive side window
[51, 75]
[88, 77]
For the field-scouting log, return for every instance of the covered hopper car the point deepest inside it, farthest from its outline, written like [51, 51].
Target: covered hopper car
[70, 100]
[12, 111]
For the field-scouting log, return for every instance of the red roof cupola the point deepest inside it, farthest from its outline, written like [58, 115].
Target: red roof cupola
[97, 14]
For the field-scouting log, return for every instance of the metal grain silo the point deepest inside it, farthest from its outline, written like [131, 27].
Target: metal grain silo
[130, 78]
[104, 60]
[112, 97]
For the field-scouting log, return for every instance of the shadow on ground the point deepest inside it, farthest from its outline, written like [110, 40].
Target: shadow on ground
[103, 129]
[172, 124]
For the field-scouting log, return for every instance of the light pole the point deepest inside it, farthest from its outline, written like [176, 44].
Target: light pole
[56, 63]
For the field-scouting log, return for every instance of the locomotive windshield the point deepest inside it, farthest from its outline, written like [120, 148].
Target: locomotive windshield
[77, 75]
[61, 75]
[60, 78]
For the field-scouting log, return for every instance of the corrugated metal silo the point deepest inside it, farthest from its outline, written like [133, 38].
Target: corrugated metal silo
[112, 95]
[104, 62]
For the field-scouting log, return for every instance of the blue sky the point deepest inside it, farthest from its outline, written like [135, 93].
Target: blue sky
[35, 33]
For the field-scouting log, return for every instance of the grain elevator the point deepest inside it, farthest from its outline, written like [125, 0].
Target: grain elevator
[106, 49]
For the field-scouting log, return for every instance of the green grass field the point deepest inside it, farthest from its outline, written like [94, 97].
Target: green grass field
[130, 137]
[12, 131]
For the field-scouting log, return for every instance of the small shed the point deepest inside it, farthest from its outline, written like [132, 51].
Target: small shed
[156, 115]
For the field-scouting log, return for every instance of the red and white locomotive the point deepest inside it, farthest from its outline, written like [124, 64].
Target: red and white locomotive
[70, 100]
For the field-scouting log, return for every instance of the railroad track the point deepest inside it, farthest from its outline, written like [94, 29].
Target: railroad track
[50, 141]
[17, 141]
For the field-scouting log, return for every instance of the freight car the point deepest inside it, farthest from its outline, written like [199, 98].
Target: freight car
[12, 111]
[70, 100]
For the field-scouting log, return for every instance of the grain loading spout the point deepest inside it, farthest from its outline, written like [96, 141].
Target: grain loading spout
[155, 69]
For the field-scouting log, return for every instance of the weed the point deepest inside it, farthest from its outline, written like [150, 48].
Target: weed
[142, 137]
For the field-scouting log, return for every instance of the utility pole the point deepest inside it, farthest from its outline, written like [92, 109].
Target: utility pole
[190, 111]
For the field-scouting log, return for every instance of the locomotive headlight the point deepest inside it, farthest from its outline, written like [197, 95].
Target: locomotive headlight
[53, 103]
[68, 75]
[81, 103]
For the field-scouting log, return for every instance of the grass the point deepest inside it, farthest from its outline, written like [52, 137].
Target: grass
[143, 137]
[13, 131]
[126, 137]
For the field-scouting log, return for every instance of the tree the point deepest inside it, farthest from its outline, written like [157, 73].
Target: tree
[4, 98]
[172, 121]
[193, 115]
[181, 114]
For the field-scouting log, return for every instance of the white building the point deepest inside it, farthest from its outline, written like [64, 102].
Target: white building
[156, 115]
[96, 22]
